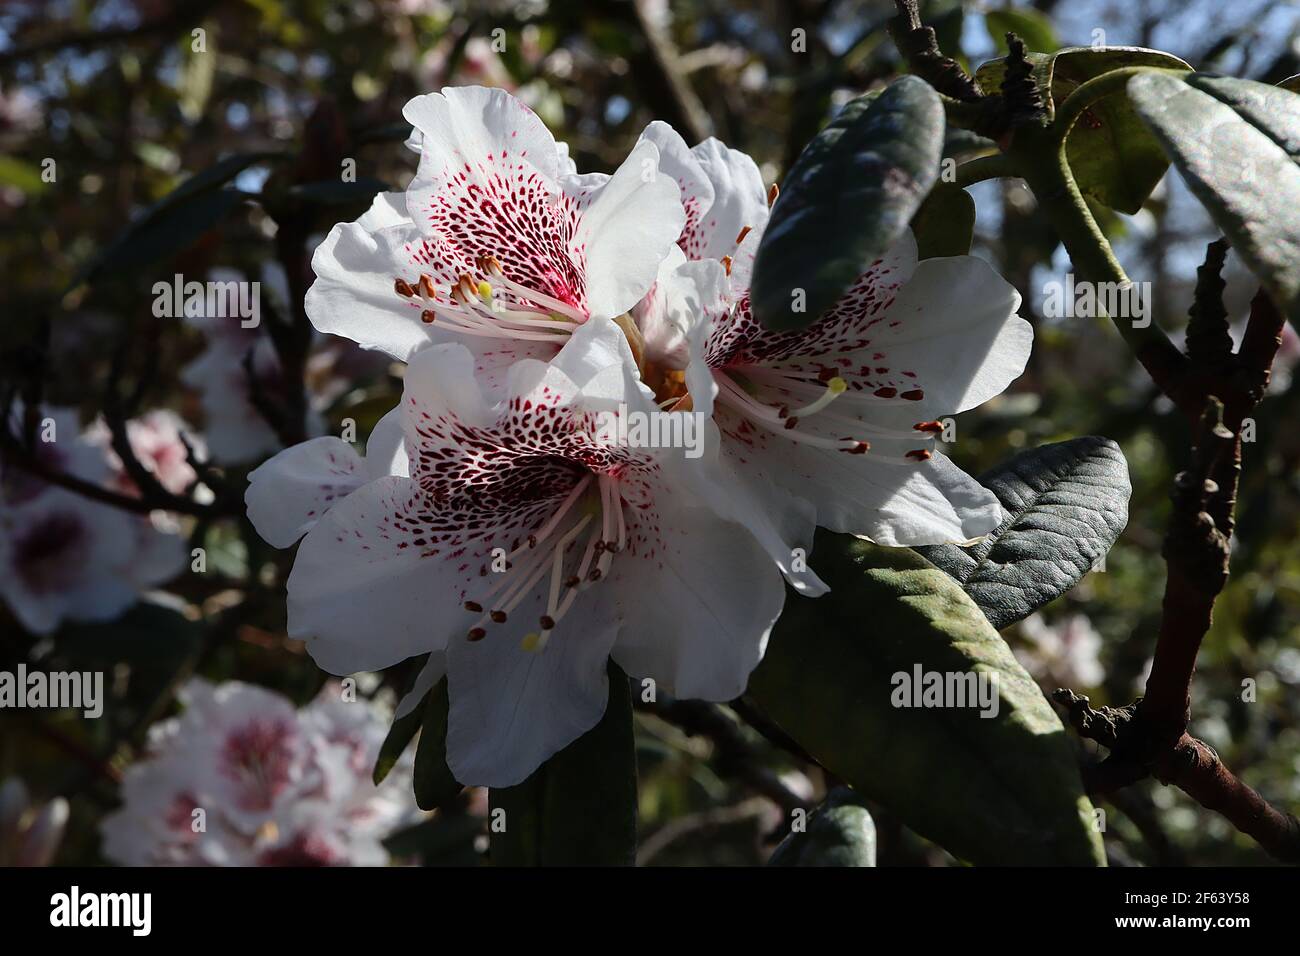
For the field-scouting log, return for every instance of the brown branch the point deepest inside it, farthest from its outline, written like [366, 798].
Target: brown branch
[920, 47]
[1149, 737]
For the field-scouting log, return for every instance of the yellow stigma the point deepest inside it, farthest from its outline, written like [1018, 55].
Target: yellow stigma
[532, 642]
[837, 385]
[485, 290]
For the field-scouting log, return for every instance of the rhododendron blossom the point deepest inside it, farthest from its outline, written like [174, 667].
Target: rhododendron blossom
[523, 551]
[496, 243]
[67, 557]
[242, 778]
[843, 413]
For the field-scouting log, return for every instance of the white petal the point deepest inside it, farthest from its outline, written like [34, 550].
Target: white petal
[740, 199]
[287, 495]
[959, 332]
[511, 709]
[698, 613]
[364, 593]
[627, 230]
[386, 447]
[353, 295]
[387, 209]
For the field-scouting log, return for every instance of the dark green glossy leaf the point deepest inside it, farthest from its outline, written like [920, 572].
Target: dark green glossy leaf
[161, 234]
[578, 808]
[334, 192]
[1113, 156]
[399, 738]
[945, 223]
[1066, 505]
[434, 783]
[1235, 143]
[1001, 789]
[840, 833]
[847, 199]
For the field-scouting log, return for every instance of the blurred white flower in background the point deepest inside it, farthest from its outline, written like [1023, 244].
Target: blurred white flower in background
[242, 778]
[1064, 652]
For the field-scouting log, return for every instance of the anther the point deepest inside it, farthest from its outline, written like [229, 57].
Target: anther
[403, 288]
[427, 316]
[474, 606]
[791, 421]
[547, 622]
[772, 193]
[498, 617]
[743, 233]
[476, 634]
[930, 428]
[918, 454]
[726, 264]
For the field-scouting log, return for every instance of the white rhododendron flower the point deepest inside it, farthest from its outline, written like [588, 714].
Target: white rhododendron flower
[842, 413]
[64, 556]
[242, 778]
[496, 243]
[523, 550]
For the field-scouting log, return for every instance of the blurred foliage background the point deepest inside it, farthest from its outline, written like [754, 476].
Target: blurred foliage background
[116, 95]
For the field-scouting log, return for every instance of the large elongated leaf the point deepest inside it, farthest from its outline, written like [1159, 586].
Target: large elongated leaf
[1066, 504]
[578, 808]
[1113, 156]
[1000, 789]
[850, 194]
[1236, 142]
[840, 833]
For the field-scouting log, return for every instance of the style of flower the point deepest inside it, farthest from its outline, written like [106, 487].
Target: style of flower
[845, 412]
[242, 778]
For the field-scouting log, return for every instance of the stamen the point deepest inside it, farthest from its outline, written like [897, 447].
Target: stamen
[930, 428]
[726, 264]
[743, 233]
[403, 288]
[772, 193]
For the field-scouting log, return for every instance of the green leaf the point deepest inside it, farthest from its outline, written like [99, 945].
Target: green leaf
[218, 174]
[578, 808]
[1235, 143]
[840, 833]
[399, 738]
[1067, 503]
[1030, 25]
[161, 234]
[434, 783]
[1114, 158]
[848, 197]
[335, 192]
[945, 223]
[1002, 789]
